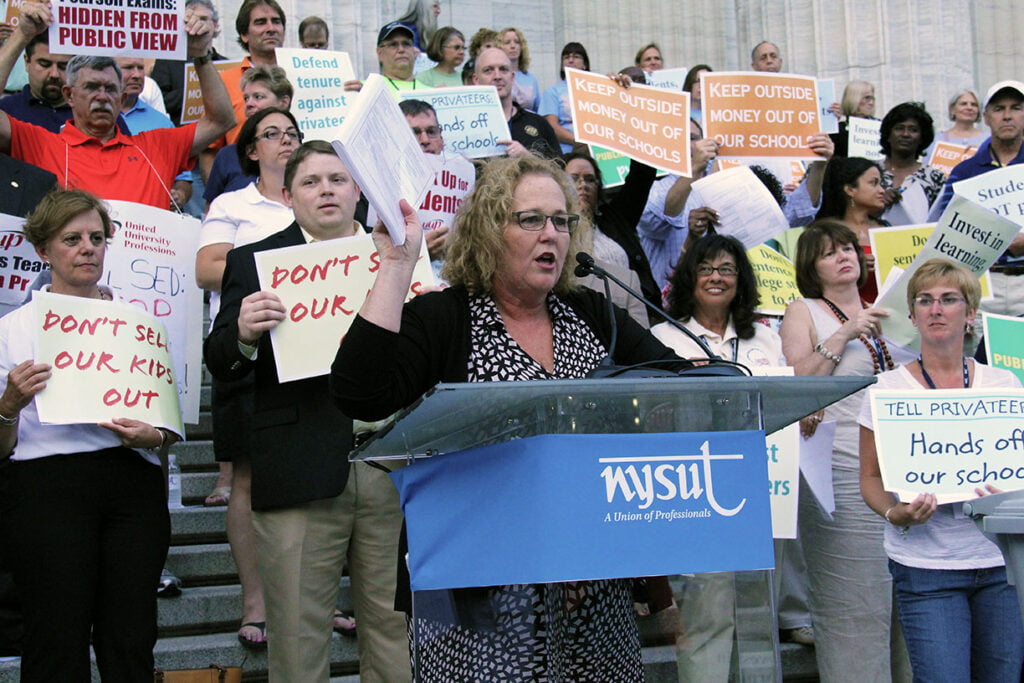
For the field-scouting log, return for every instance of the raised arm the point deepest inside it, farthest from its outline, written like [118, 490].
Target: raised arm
[218, 114]
[34, 19]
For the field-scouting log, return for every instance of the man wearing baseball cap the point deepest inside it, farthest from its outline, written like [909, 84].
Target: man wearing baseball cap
[396, 55]
[1004, 115]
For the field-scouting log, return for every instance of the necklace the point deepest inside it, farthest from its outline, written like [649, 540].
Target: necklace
[928, 379]
[880, 358]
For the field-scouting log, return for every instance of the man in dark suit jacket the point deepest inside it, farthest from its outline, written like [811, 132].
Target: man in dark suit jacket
[312, 511]
[22, 186]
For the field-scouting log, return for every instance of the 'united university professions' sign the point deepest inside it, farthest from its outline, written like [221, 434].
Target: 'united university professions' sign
[589, 506]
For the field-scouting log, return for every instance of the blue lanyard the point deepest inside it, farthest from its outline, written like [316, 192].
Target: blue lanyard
[931, 384]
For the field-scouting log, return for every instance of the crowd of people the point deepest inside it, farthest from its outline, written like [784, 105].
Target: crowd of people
[86, 557]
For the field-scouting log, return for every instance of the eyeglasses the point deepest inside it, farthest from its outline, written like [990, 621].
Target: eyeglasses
[274, 134]
[947, 301]
[431, 131]
[535, 221]
[585, 179]
[727, 270]
[396, 44]
[457, 48]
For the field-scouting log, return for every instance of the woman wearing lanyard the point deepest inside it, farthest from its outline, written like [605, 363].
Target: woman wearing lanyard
[959, 616]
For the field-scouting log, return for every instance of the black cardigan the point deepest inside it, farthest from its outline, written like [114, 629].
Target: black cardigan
[377, 372]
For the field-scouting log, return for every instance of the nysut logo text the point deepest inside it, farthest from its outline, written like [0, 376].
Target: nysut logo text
[666, 477]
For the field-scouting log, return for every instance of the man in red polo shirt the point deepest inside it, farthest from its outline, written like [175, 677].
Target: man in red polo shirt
[90, 153]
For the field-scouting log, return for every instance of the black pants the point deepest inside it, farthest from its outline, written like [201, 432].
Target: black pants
[86, 537]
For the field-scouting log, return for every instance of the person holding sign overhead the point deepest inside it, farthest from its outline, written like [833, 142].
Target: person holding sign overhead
[513, 312]
[834, 332]
[83, 506]
[959, 615]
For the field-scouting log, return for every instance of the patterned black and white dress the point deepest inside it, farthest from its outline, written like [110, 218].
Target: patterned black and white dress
[576, 631]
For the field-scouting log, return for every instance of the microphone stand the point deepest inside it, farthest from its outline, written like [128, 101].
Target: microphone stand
[716, 365]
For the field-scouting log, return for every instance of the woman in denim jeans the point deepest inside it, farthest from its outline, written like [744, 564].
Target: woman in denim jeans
[960, 618]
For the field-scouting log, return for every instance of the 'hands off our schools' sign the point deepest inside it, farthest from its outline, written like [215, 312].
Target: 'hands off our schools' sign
[471, 118]
[322, 286]
[949, 442]
[609, 505]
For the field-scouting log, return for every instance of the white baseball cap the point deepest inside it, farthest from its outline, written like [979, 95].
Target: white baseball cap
[1016, 86]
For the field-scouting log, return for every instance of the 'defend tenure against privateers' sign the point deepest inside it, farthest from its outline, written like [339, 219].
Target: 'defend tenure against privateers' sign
[119, 28]
[588, 506]
[760, 115]
[109, 359]
[949, 442]
[647, 124]
[320, 100]
[322, 286]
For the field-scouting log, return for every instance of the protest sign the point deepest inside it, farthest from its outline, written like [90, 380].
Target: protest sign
[946, 155]
[949, 441]
[864, 136]
[118, 28]
[380, 152]
[647, 124]
[760, 114]
[783, 462]
[746, 209]
[192, 103]
[776, 279]
[826, 96]
[322, 285]
[150, 263]
[670, 79]
[320, 100]
[109, 359]
[1001, 191]
[12, 13]
[471, 118]
[897, 247]
[1003, 346]
[454, 177]
[614, 166]
[967, 234]
[786, 171]
[20, 265]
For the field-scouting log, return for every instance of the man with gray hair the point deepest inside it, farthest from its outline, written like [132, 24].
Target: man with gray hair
[91, 154]
[766, 56]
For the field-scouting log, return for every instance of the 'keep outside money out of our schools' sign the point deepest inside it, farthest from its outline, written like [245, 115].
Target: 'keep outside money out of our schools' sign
[949, 441]
[647, 124]
[760, 115]
[119, 28]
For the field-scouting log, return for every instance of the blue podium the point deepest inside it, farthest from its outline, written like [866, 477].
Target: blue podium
[538, 512]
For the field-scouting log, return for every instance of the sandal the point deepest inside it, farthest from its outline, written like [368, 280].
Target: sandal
[219, 496]
[344, 623]
[260, 626]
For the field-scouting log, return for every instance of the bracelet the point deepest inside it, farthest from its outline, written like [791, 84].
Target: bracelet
[200, 60]
[9, 421]
[820, 348]
[163, 440]
[902, 529]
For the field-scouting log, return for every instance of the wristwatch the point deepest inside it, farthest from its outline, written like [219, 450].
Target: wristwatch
[8, 421]
[203, 59]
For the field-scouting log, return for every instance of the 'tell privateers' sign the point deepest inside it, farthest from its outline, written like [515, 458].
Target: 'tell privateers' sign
[949, 442]
[320, 99]
[150, 263]
[109, 359]
[760, 114]
[117, 28]
[322, 286]
[471, 118]
[647, 124]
